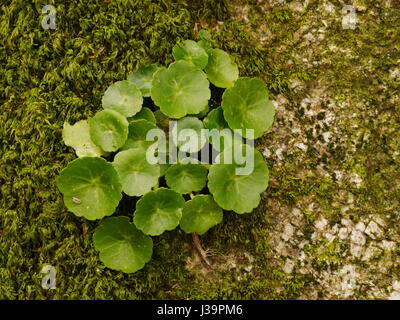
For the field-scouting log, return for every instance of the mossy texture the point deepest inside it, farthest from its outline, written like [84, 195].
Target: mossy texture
[333, 152]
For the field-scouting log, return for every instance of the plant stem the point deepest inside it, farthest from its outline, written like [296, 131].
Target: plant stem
[200, 251]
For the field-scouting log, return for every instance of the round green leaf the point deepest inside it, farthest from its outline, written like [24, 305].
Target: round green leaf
[246, 106]
[205, 44]
[138, 130]
[239, 193]
[143, 114]
[225, 139]
[188, 134]
[215, 120]
[186, 178]
[122, 247]
[190, 51]
[109, 130]
[90, 187]
[200, 214]
[137, 176]
[163, 156]
[180, 90]
[202, 114]
[123, 97]
[205, 34]
[143, 77]
[77, 136]
[205, 39]
[163, 168]
[158, 211]
[221, 70]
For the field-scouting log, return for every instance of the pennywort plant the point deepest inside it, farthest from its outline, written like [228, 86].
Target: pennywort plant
[113, 150]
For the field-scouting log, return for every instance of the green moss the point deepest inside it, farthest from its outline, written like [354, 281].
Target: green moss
[326, 254]
[51, 76]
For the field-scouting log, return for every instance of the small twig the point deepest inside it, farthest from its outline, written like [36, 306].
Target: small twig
[200, 251]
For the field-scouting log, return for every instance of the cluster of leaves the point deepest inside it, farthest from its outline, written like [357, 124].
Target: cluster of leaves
[111, 149]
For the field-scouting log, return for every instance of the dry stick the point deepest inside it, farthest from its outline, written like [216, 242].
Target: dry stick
[201, 253]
